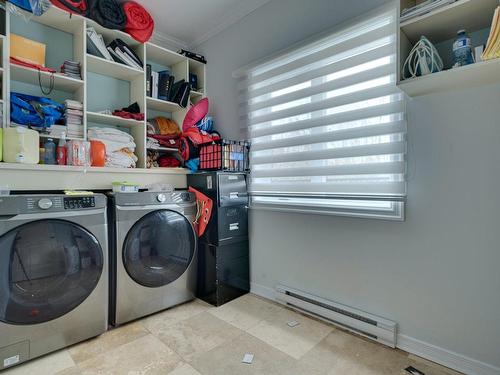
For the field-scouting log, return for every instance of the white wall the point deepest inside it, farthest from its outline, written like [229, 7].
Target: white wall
[437, 274]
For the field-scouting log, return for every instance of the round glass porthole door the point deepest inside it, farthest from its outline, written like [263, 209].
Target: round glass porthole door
[47, 268]
[159, 248]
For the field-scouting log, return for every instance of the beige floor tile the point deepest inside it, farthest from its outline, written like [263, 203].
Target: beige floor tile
[294, 341]
[145, 356]
[157, 322]
[197, 334]
[107, 341]
[226, 359]
[47, 365]
[246, 312]
[70, 371]
[184, 369]
[344, 353]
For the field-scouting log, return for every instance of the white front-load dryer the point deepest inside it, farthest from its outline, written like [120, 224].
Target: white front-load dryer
[53, 273]
[153, 253]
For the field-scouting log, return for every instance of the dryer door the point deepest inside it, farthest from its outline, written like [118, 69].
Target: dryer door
[47, 268]
[159, 248]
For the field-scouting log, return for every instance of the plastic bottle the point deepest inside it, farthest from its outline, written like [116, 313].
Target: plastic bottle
[62, 151]
[462, 50]
[50, 152]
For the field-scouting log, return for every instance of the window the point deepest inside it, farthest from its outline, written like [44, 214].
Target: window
[327, 124]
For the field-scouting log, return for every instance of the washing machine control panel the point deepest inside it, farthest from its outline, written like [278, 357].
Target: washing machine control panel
[74, 203]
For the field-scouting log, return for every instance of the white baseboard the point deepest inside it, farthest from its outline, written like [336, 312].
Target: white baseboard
[419, 348]
[445, 357]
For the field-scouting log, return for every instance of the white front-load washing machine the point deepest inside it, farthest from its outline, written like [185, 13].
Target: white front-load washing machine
[153, 254]
[53, 273]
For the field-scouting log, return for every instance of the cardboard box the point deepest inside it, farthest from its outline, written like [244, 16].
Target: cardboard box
[27, 50]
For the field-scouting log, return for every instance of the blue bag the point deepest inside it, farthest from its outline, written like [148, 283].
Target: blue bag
[23, 4]
[37, 7]
[34, 111]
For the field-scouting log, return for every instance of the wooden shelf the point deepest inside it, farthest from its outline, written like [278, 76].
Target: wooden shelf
[443, 23]
[101, 118]
[165, 149]
[29, 75]
[479, 74]
[112, 69]
[162, 55]
[162, 105]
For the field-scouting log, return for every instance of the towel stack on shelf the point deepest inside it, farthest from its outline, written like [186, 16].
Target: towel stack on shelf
[120, 146]
[73, 114]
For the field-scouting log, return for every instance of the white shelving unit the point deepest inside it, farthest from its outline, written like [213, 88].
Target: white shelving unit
[81, 90]
[439, 26]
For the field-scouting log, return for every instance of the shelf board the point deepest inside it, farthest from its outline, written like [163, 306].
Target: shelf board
[162, 105]
[162, 55]
[112, 69]
[29, 75]
[69, 168]
[101, 118]
[57, 18]
[44, 135]
[443, 23]
[474, 75]
[195, 94]
[166, 149]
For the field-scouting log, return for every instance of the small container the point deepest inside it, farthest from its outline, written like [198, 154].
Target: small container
[125, 187]
[50, 152]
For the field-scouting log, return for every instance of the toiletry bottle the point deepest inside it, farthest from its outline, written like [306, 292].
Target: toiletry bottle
[50, 152]
[62, 151]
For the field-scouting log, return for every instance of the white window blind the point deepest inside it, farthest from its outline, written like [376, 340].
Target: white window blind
[327, 124]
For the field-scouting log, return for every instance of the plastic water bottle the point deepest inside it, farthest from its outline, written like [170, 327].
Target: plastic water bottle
[50, 152]
[462, 50]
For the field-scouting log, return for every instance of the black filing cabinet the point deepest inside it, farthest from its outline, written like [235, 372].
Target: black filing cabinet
[223, 259]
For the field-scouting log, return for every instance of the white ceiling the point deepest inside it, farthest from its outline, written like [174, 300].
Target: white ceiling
[189, 23]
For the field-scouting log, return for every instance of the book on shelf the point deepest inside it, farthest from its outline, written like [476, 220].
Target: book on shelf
[165, 82]
[96, 45]
[492, 50]
[154, 84]
[149, 92]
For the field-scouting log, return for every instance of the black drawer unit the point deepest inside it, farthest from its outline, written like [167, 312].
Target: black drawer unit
[223, 263]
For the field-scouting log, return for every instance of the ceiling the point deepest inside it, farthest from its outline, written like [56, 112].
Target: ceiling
[188, 23]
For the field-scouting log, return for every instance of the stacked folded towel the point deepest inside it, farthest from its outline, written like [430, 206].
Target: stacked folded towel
[120, 146]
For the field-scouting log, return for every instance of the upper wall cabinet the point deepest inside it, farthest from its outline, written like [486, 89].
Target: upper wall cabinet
[440, 27]
[104, 85]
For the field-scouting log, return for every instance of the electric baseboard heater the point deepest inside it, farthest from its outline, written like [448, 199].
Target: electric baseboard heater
[360, 322]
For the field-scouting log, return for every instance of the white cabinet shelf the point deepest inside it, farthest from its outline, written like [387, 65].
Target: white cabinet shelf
[112, 69]
[443, 23]
[474, 75]
[101, 118]
[162, 105]
[29, 75]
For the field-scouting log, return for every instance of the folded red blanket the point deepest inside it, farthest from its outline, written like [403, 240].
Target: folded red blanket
[16, 61]
[140, 24]
[166, 140]
[133, 116]
[168, 162]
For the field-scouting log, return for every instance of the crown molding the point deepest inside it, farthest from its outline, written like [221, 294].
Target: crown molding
[228, 19]
[169, 41]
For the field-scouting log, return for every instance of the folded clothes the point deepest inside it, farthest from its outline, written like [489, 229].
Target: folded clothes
[120, 146]
[166, 161]
[163, 126]
[166, 140]
[140, 25]
[107, 13]
[129, 115]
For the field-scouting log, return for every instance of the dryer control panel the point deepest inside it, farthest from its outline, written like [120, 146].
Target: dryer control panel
[72, 203]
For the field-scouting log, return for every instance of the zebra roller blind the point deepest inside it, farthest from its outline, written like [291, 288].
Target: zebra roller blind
[327, 122]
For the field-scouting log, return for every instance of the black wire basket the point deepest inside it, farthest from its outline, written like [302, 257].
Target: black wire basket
[225, 155]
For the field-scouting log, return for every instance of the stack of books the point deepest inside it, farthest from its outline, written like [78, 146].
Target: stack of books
[73, 113]
[423, 8]
[161, 85]
[117, 50]
[71, 69]
[57, 131]
[492, 50]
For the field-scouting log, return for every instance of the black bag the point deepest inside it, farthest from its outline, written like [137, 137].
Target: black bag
[107, 13]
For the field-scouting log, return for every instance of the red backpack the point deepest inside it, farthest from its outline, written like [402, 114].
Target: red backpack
[72, 6]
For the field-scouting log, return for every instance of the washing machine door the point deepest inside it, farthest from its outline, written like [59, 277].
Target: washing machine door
[159, 248]
[47, 268]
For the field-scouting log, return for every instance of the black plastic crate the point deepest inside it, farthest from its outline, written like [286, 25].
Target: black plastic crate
[225, 155]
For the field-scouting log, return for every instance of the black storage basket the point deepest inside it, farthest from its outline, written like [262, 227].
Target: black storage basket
[225, 155]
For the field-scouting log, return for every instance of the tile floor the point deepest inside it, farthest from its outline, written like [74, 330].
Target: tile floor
[196, 338]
